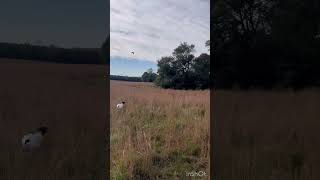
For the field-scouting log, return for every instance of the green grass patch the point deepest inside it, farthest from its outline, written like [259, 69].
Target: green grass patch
[119, 172]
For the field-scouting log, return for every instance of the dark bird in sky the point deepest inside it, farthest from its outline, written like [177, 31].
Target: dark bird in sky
[132, 52]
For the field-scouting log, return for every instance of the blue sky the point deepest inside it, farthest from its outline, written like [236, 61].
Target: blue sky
[129, 66]
[152, 29]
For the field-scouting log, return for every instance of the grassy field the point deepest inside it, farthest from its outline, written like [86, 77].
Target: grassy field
[161, 134]
[266, 135]
[69, 99]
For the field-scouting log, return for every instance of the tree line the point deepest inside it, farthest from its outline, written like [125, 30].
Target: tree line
[182, 70]
[55, 54]
[125, 78]
[266, 43]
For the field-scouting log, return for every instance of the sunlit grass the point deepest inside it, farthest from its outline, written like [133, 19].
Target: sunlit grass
[161, 133]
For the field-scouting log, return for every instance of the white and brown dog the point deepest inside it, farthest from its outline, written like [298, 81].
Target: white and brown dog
[120, 105]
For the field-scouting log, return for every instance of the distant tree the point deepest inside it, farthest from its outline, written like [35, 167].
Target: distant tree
[150, 70]
[166, 72]
[125, 78]
[241, 42]
[183, 70]
[208, 44]
[50, 53]
[202, 70]
[264, 43]
[149, 76]
[176, 71]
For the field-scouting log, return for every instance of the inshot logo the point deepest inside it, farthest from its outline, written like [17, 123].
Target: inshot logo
[195, 173]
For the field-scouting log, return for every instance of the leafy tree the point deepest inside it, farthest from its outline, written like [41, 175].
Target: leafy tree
[149, 76]
[208, 44]
[176, 71]
[183, 70]
[202, 70]
[264, 43]
[125, 78]
[166, 72]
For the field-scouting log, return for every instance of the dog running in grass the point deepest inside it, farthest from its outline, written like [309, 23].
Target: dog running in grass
[120, 105]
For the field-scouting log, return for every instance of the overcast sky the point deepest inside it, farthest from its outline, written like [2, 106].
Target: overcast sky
[153, 28]
[66, 23]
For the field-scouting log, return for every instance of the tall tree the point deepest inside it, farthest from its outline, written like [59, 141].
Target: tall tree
[183, 70]
[202, 70]
[149, 76]
[208, 44]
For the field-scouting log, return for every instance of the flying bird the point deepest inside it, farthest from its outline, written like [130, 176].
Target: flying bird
[120, 105]
[33, 139]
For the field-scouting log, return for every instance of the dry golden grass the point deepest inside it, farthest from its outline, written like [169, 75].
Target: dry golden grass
[266, 135]
[69, 99]
[161, 134]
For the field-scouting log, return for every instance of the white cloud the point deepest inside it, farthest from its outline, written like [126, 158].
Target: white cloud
[153, 28]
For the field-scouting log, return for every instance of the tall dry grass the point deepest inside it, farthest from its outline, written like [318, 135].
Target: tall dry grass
[161, 134]
[69, 99]
[266, 135]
